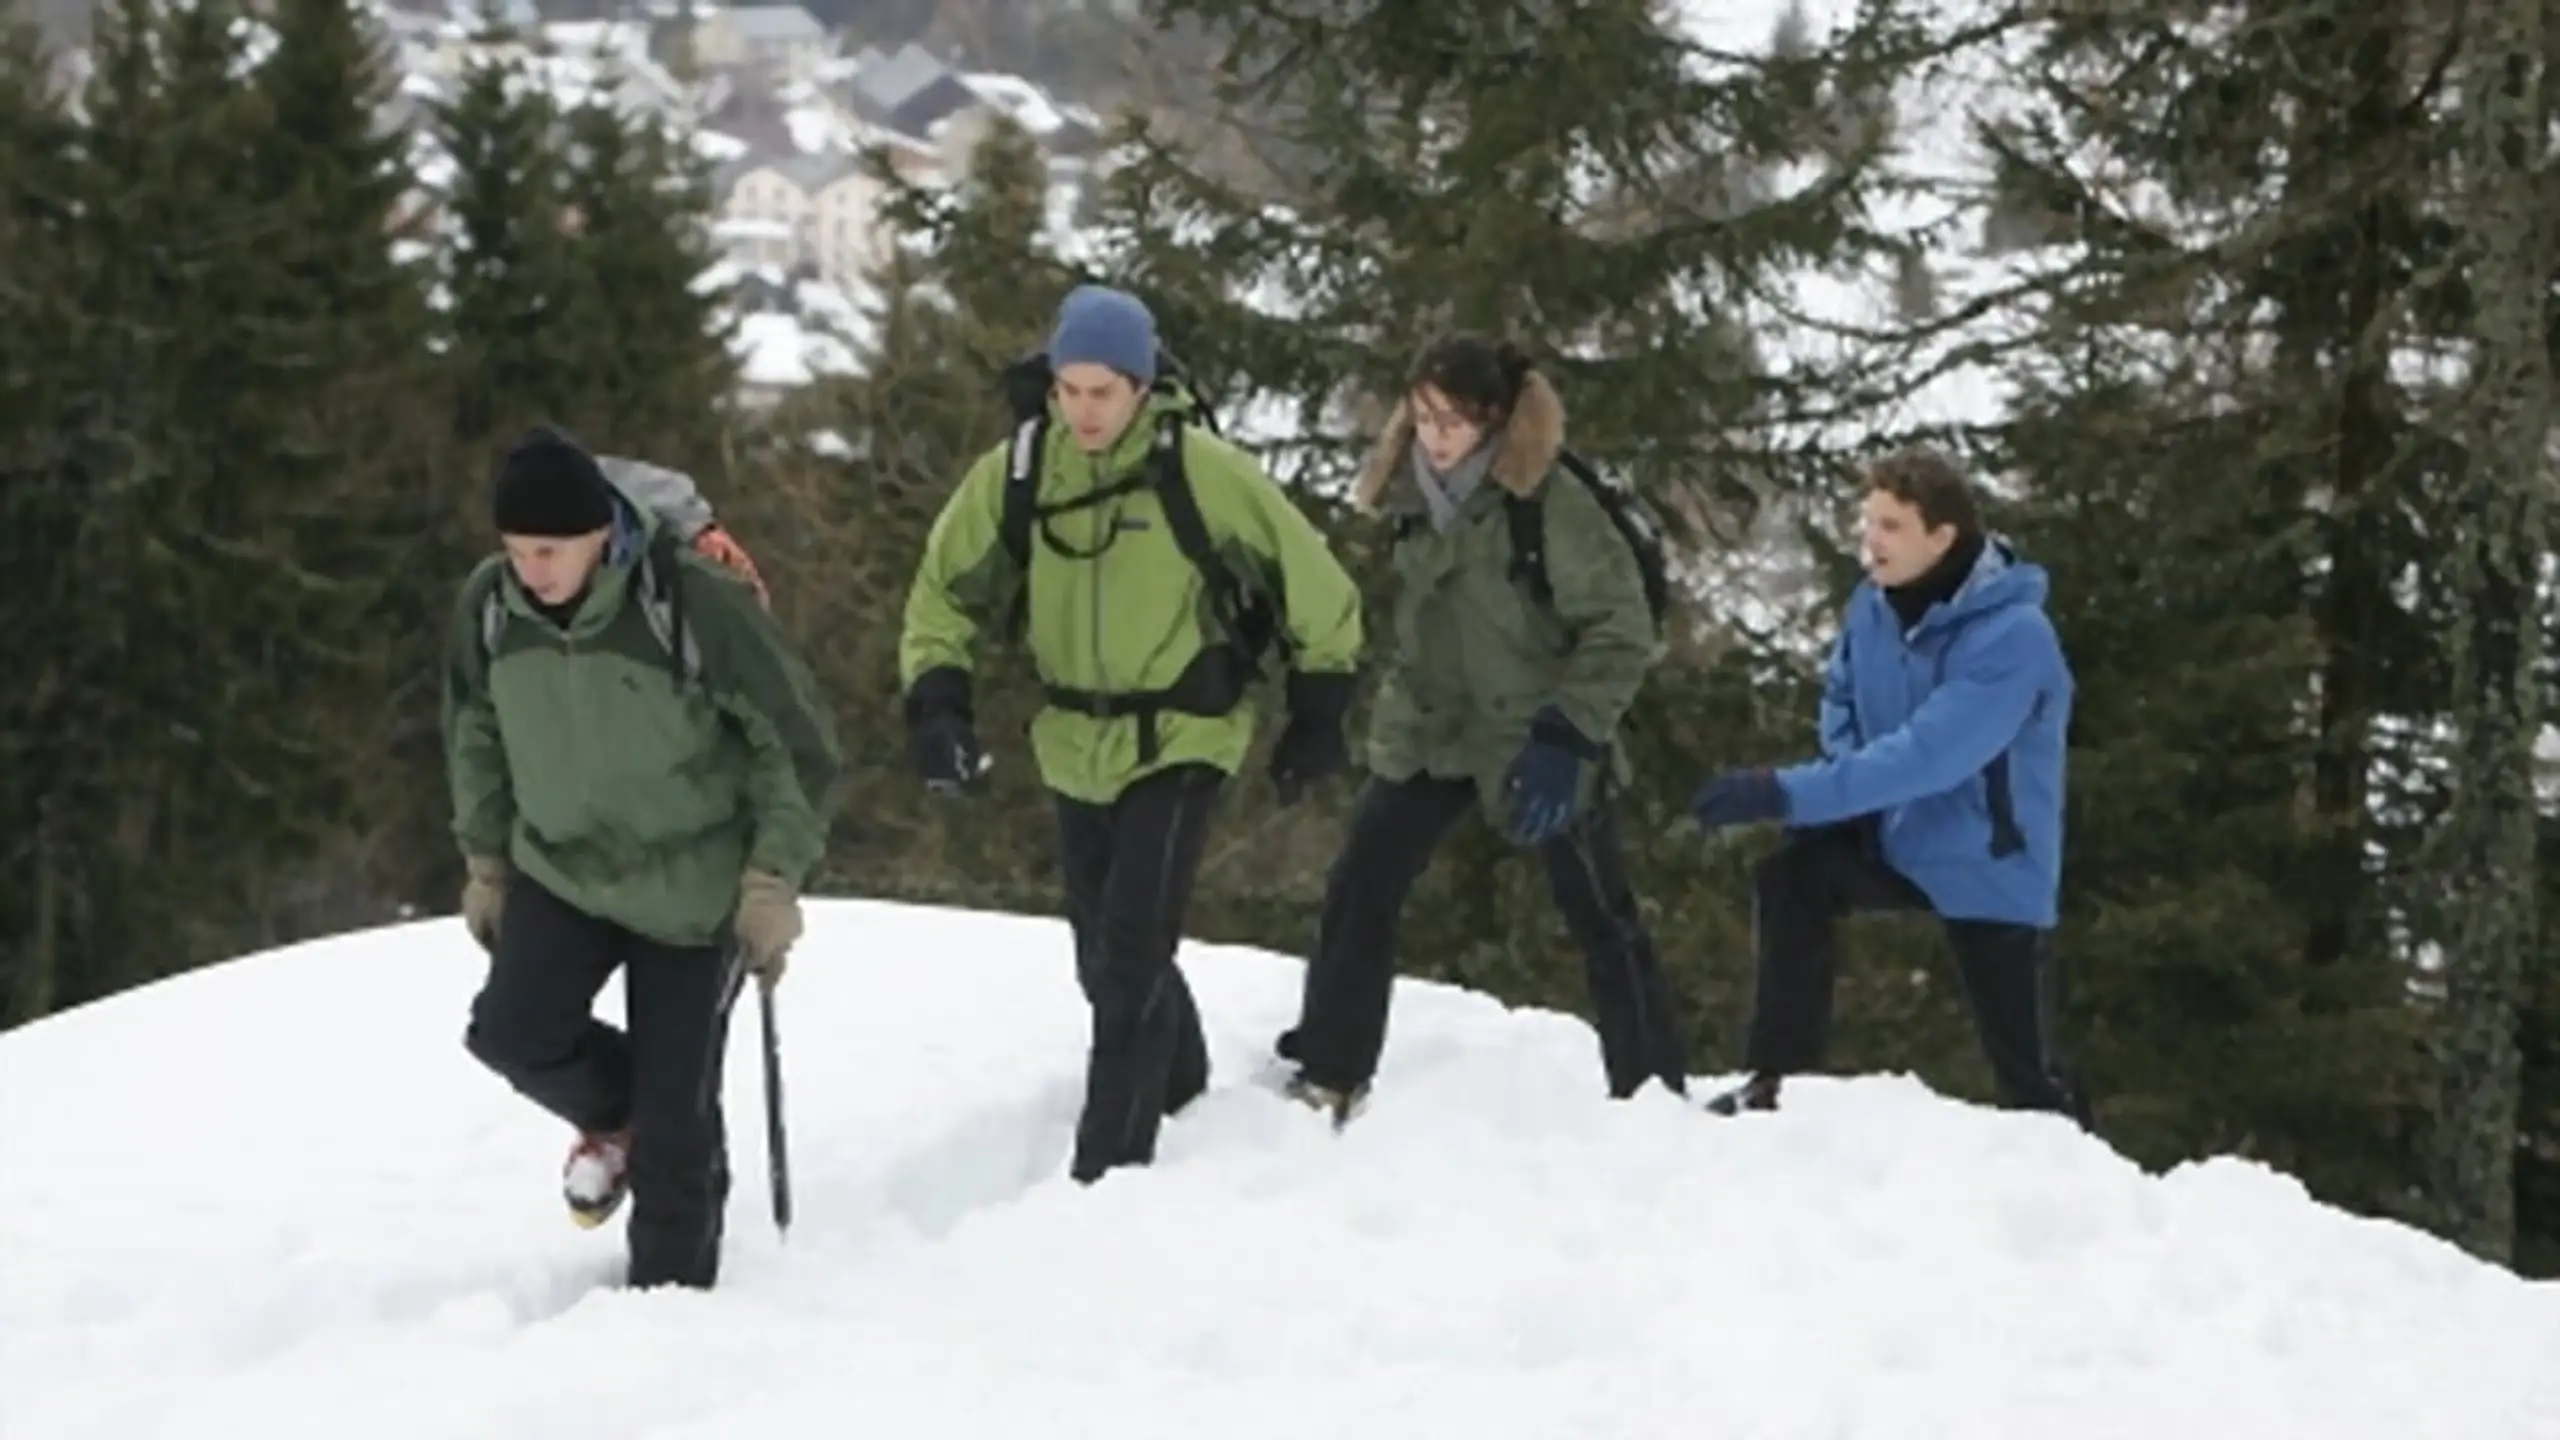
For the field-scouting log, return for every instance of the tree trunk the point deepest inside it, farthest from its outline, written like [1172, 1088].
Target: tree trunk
[2357, 598]
[2487, 855]
[41, 955]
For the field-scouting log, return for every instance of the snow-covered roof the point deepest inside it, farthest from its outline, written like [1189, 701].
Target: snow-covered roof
[779, 352]
[775, 24]
[745, 227]
[719, 146]
[807, 171]
[473, 15]
[1028, 104]
[888, 83]
[622, 39]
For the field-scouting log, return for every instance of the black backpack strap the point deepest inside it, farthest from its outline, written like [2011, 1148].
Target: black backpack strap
[1528, 521]
[1190, 530]
[1172, 481]
[1022, 489]
[1018, 508]
[661, 581]
[489, 599]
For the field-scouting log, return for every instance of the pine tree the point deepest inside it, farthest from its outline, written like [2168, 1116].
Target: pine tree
[365, 427]
[2487, 859]
[1425, 167]
[505, 257]
[987, 241]
[200, 652]
[324, 84]
[46, 409]
[650, 332]
[2229, 474]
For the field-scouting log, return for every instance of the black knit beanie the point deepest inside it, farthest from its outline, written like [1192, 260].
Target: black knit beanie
[548, 485]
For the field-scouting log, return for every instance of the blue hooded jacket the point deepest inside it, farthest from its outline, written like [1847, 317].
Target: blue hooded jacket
[1926, 731]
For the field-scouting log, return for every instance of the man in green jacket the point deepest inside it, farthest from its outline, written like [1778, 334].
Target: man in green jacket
[1147, 714]
[641, 775]
[1498, 699]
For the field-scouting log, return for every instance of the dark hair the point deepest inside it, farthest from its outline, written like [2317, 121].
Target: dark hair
[1481, 375]
[1930, 483]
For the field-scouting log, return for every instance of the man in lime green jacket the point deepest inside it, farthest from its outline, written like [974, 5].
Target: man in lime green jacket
[641, 775]
[1146, 659]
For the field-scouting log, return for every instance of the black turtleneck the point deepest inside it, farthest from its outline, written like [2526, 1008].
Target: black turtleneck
[1939, 582]
[562, 613]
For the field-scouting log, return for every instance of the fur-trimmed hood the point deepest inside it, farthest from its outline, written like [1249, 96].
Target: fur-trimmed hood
[1530, 441]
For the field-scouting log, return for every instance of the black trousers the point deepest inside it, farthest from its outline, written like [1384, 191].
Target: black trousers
[1397, 825]
[533, 1023]
[2009, 973]
[1128, 869]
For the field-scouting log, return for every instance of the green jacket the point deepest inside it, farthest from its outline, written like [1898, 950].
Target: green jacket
[1135, 614]
[578, 757]
[1475, 656]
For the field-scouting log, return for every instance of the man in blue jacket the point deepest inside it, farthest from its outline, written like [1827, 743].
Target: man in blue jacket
[1939, 788]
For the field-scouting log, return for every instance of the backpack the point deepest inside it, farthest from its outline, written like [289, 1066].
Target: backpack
[1218, 681]
[1635, 522]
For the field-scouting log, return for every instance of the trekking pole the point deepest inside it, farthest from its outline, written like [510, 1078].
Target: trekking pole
[777, 1149]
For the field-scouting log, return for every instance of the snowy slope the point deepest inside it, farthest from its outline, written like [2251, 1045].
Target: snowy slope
[276, 1199]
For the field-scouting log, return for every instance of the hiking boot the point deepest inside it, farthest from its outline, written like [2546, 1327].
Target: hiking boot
[1760, 1092]
[1341, 1105]
[597, 1177]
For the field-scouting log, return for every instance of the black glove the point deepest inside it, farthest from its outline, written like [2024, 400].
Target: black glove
[1738, 797]
[1311, 748]
[941, 731]
[1547, 778]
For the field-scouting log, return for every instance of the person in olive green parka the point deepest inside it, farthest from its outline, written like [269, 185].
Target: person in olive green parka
[1491, 701]
[1147, 714]
[641, 775]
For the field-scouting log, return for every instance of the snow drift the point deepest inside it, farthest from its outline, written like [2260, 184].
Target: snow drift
[276, 1198]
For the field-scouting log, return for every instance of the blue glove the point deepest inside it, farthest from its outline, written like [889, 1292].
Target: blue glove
[1546, 778]
[1739, 797]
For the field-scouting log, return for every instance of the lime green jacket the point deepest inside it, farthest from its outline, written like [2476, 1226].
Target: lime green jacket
[1114, 604]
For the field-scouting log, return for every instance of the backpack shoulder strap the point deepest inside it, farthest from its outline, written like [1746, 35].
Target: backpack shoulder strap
[1181, 504]
[1022, 489]
[1528, 521]
[484, 594]
[1635, 524]
[1173, 491]
[660, 588]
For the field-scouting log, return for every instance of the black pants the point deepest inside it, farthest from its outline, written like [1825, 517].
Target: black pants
[1398, 824]
[533, 1023]
[2009, 974]
[1128, 869]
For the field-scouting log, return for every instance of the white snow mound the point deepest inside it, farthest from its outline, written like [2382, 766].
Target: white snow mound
[275, 1198]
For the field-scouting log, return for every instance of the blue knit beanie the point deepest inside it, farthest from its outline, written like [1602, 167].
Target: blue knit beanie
[1103, 326]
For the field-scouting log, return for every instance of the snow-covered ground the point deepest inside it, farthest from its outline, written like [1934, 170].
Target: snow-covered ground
[275, 1198]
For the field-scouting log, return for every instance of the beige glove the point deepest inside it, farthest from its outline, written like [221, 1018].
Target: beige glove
[484, 898]
[768, 923]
